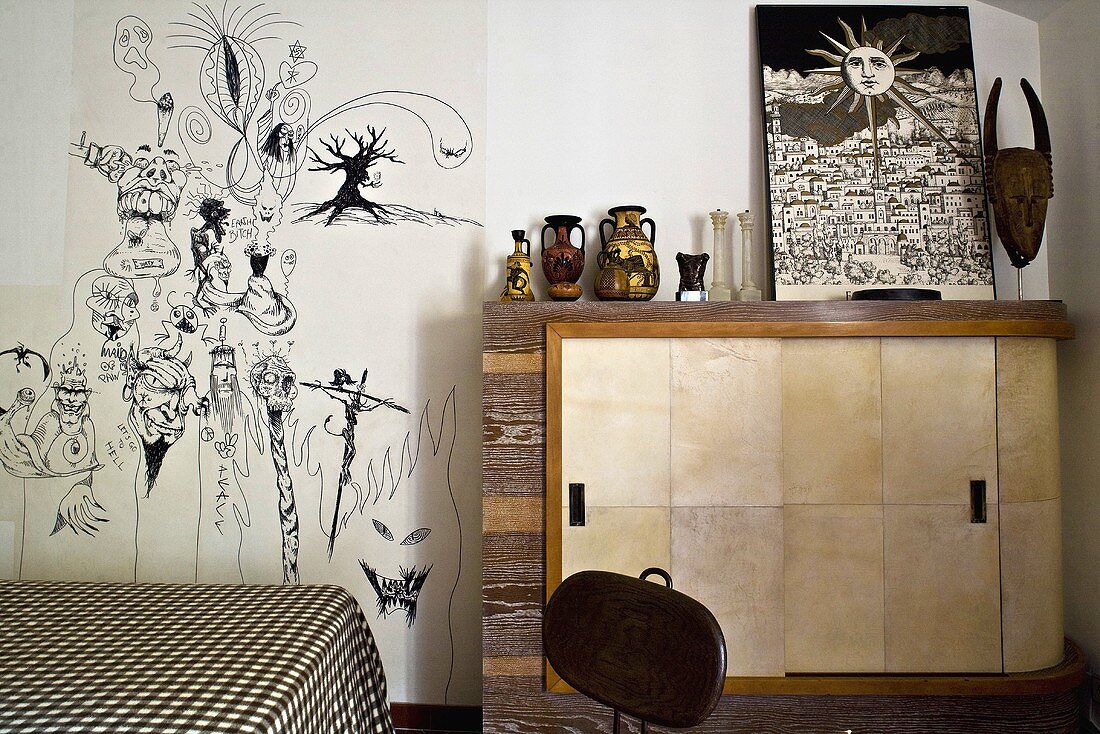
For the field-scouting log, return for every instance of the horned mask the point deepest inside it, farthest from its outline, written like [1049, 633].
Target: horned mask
[1020, 180]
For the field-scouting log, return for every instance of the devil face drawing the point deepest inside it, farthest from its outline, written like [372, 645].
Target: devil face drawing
[161, 390]
[398, 593]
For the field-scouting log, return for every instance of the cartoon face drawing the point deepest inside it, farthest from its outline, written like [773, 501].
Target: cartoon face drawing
[184, 318]
[160, 389]
[131, 50]
[274, 382]
[398, 593]
[113, 303]
[151, 186]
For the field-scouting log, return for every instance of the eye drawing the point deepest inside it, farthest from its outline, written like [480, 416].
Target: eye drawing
[416, 536]
[383, 530]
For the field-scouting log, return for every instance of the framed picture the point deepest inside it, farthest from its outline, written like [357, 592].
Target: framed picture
[874, 159]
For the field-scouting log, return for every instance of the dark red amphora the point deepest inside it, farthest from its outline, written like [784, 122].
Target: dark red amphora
[561, 262]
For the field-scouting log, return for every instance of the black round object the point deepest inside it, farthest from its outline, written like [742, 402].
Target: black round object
[896, 294]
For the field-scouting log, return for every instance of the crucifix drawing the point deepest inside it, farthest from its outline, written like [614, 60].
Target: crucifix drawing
[356, 400]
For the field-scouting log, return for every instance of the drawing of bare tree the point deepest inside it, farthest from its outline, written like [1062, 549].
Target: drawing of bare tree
[357, 174]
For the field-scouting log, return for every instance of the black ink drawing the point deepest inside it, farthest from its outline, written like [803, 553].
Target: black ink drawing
[62, 444]
[274, 384]
[357, 175]
[149, 187]
[25, 397]
[23, 359]
[113, 304]
[269, 311]
[355, 401]
[225, 391]
[451, 152]
[231, 413]
[161, 391]
[411, 539]
[231, 80]
[227, 449]
[348, 205]
[383, 479]
[131, 53]
[261, 172]
[400, 593]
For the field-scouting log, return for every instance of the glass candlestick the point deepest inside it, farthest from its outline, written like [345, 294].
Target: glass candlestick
[721, 287]
[749, 291]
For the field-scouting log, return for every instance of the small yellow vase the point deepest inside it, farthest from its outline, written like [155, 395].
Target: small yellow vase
[517, 271]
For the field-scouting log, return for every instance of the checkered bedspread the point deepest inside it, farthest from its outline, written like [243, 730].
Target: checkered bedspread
[123, 658]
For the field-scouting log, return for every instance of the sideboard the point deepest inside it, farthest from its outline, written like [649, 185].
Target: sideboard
[865, 493]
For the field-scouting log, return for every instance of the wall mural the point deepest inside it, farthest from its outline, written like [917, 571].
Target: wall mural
[183, 427]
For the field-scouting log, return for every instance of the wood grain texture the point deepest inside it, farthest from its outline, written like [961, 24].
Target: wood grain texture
[511, 591]
[519, 327]
[507, 710]
[514, 567]
[511, 666]
[513, 433]
[511, 364]
[769, 329]
[512, 514]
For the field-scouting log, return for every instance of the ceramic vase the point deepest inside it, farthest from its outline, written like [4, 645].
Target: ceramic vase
[630, 249]
[517, 271]
[562, 263]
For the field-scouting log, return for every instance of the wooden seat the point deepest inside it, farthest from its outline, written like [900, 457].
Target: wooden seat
[641, 648]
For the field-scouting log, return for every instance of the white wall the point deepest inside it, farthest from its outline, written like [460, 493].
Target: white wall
[597, 104]
[36, 54]
[1071, 65]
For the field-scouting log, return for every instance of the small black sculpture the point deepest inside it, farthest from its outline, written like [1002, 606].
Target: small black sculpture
[692, 269]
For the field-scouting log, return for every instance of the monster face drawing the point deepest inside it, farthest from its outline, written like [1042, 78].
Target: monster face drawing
[161, 391]
[149, 190]
[398, 593]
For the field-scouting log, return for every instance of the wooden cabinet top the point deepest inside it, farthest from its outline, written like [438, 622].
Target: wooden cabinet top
[521, 327]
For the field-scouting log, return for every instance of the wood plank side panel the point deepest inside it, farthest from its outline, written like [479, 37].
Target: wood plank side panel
[509, 710]
[513, 433]
[512, 587]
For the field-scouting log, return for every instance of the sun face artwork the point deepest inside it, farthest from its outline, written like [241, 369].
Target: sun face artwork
[874, 161]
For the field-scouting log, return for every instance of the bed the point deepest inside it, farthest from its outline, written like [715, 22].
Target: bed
[98, 657]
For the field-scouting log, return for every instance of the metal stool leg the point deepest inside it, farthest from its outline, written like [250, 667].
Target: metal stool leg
[618, 722]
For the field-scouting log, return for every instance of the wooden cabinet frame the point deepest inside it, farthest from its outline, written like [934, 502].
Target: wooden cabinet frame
[517, 350]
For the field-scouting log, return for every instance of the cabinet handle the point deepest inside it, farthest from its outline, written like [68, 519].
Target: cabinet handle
[977, 500]
[576, 504]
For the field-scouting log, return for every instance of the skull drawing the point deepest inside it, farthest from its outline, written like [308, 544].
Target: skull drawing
[274, 383]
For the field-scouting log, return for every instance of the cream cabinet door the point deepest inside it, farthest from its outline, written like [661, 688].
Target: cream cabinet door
[615, 441]
[727, 517]
[942, 569]
[832, 515]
